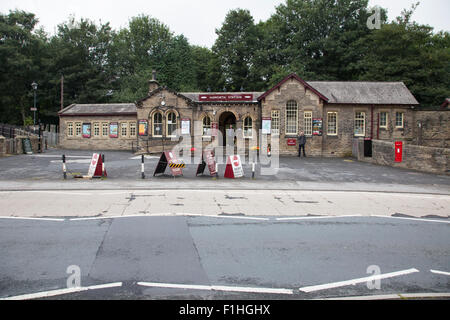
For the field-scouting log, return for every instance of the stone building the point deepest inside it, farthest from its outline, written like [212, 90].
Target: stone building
[331, 114]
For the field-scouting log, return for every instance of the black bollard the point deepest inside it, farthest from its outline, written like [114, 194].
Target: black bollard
[103, 165]
[64, 166]
[142, 167]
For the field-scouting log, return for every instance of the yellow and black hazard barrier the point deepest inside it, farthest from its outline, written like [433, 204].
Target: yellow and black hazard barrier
[177, 165]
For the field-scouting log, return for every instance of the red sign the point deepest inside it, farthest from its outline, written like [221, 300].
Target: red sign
[398, 151]
[291, 142]
[234, 167]
[225, 97]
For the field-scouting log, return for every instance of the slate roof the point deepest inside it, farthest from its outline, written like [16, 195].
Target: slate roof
[99, 109]
[365, 92]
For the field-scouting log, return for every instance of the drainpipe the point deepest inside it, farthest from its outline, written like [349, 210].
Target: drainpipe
[371, 123]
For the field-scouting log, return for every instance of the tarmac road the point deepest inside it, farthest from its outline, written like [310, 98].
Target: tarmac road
[182, 257]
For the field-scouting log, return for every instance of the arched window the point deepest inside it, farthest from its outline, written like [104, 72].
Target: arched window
[248, 125]
[171, 124]
[206, 126]
[157, 125]
[291, 118]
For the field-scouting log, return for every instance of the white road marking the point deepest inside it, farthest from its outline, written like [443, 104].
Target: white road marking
[58, 292]
[29, 218]
[216, 288]
[166, 215]
[394, 296]
[146, 157]
[253, 290]
[414, 219]
[72, 161]
[59, 156]
[440, 272]
[317, 217]
[356, 281]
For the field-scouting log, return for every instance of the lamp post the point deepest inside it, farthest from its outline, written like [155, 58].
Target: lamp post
[34, 85]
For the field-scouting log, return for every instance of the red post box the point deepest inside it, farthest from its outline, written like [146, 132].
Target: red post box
[398, 151]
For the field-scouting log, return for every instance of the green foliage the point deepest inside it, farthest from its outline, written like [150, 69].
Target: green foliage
[317, 39]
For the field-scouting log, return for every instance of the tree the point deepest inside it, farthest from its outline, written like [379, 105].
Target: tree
[406, 51]
[319, 38]
[80, 52]
[19, 46]
[235, 47]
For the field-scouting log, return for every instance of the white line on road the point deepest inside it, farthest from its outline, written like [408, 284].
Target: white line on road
[216, 288]
[440, 272]
[58, 292]
[415, 219]
[356, 281]
[167, 214]
[317, 217]
[394, 296]
[28, 218]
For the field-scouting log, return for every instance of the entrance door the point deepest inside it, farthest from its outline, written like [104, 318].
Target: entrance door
[227, 121]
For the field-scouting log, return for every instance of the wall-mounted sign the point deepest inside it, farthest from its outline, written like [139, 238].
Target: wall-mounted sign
[317, 127]
[113, 130]
[185, 126]
[86, 130]
[143, 127]
[225, 97]
[266, 125]
[291, 142]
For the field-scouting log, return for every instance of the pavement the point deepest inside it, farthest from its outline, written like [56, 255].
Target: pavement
[35, 186]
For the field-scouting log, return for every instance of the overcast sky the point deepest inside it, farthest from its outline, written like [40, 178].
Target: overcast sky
[196, 19]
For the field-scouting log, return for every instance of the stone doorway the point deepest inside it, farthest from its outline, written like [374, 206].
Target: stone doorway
[227, 121]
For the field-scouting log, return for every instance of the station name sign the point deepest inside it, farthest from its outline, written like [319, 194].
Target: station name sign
[225, 97]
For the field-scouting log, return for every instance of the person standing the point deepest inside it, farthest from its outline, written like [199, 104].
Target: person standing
[301, 144]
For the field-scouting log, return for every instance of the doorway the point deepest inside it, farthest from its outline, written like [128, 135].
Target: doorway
[227, 120]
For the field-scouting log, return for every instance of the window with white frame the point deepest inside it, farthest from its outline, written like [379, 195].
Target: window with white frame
[171, 124]
[96, 129]
[399, 121]
[383, 119]
[132, 129]
[275, 115]
[124, 129]
[70, 129]
[206, 126]
[291, 118]
[360, 124]
[248, 125]
[307, 123]
[105, 128]
[332, 124]
[157, 125]
[78, 129]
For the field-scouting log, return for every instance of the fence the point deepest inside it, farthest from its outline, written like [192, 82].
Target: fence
[10, 145]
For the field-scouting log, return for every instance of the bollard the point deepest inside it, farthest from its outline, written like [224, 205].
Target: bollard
[253, 170]
[142, 167]
[103, 165]
[64, 166]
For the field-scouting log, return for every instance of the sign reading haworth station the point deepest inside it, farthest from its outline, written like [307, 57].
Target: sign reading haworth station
[331, 115]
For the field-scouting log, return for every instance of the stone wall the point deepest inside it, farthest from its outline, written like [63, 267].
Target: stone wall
[100, 142]
[14, 146]
[432, 128]
[427, 159]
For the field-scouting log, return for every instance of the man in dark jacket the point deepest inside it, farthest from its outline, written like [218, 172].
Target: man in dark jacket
[301, 144]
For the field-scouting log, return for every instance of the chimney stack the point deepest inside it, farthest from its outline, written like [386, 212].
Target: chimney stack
[153, 84]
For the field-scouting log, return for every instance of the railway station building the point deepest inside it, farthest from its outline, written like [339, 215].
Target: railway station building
[331, 114]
